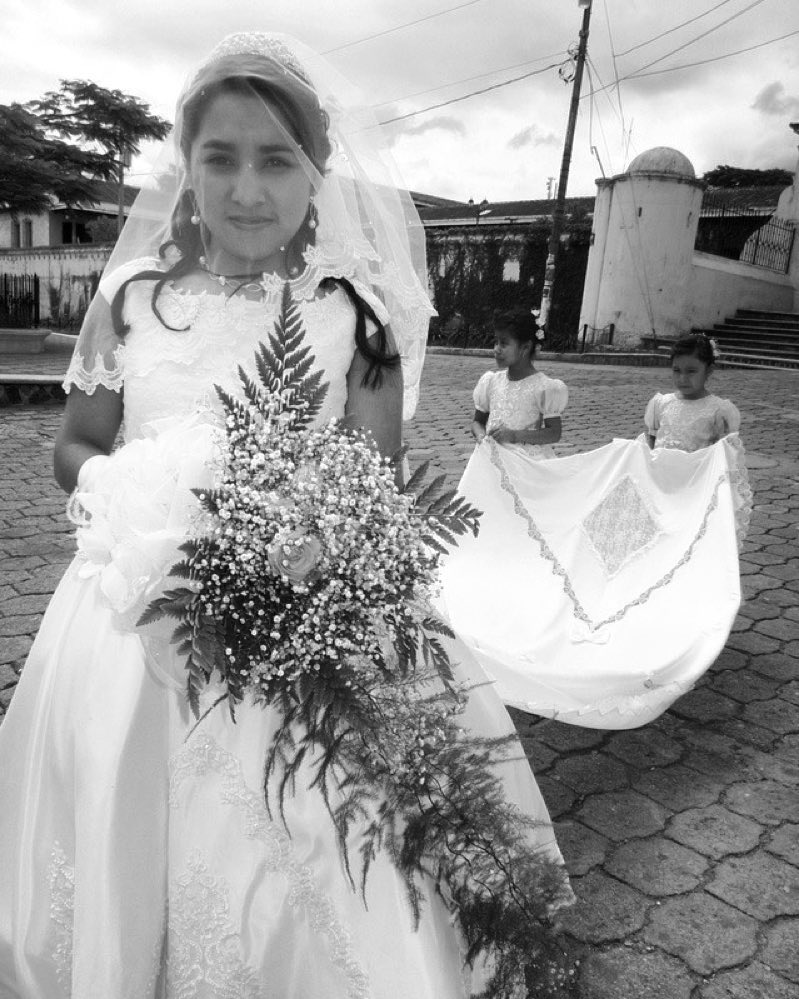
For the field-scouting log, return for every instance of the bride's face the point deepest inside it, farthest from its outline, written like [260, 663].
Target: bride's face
[252, 191]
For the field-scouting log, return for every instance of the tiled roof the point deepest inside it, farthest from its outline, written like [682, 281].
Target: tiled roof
[501, 211]
[432, 201]
[744, 199]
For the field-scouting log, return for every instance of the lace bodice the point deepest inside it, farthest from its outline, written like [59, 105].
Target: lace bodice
[690, 424]
[167, 373]
[518, 405]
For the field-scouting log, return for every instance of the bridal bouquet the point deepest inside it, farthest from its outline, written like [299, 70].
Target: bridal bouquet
[309, 588]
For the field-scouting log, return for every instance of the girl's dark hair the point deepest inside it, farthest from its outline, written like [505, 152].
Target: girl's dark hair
[518, 323]
[694, 345]
[298, 105]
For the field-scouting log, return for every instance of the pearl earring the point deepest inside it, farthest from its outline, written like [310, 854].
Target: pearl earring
[313, 215]
[195, 219]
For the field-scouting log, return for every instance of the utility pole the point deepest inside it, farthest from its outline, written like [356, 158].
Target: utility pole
[122, 163]
[559, 212]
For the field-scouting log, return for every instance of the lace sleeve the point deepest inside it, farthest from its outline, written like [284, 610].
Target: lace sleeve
[652, 415]
[553, 399]
[482, 393]
[98, 358]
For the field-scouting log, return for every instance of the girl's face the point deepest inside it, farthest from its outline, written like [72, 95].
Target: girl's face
[690, 375]
[508, 350]
[252, 191]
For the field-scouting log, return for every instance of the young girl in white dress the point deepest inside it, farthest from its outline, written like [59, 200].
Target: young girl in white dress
[690, 417]
[517, 404]
[137, 857]
[569, 594]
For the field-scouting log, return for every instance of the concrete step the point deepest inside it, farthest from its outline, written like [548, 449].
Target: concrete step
[746, 336]
[759, 326]
[790, 317]
[758, 346]
[741, 360]
[753, 338]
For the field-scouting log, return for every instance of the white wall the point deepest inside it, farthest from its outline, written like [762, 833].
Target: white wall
[40, 229]
[722, 286]
[639, 272]
[788, 209]
[68, 276]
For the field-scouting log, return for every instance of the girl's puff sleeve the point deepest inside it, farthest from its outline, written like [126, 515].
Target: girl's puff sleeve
[728, 419]
[482, 393]
[553, 398]
[652, 415]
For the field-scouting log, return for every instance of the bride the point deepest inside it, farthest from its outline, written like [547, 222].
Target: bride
[137, 858]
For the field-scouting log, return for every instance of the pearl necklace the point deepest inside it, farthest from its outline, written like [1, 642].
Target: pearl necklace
[229, 280]
[238, 281]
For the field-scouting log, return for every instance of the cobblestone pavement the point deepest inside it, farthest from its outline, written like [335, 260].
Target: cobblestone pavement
[682, 837]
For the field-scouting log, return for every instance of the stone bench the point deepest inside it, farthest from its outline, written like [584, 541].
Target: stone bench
[22, 341]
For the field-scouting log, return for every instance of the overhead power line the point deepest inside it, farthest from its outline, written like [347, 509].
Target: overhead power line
[689, 65]
[592, 111]
[704, 34]
[399, 27]
[701, 62]
[474, 93]
[615, 66]
[594, 72]
[676, 27]
[467, 79]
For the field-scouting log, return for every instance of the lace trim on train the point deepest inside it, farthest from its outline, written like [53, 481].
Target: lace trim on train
[558, 569]
[654, 694]
[203, 756]
[741, 489]
[61, 883]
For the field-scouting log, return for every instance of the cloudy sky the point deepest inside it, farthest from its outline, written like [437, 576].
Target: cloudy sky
[679, 83]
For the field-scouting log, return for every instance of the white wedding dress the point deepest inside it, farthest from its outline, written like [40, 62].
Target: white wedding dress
[137, 862]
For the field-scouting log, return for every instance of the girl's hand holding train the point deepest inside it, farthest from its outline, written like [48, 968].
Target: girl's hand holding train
[502, 435]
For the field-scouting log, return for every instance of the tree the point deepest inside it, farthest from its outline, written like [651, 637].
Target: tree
[117, 123]
[34, 167]
[102, 229]
[727, 176]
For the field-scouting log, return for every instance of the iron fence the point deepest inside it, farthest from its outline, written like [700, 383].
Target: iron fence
[750, 235]
[596, 336]
[19, 300]
[770, 246]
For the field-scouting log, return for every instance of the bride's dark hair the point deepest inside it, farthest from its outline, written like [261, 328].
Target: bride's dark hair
[297, 104]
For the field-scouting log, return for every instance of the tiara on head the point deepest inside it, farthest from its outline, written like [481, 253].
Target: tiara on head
[259, 43]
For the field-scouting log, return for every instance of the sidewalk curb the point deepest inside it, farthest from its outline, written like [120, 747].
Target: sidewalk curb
[632, 359]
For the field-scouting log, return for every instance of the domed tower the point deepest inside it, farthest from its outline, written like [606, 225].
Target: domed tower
[640, 261]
